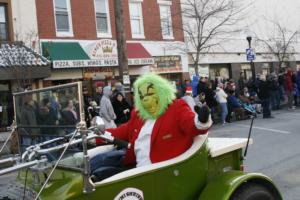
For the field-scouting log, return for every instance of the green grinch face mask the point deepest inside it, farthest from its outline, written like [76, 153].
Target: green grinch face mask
[152, 96]
[149, 98]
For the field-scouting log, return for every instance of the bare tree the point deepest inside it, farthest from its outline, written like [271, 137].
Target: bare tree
[279, 42]
[209, 22]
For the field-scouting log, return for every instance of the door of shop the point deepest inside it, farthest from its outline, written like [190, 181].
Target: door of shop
[5, 105]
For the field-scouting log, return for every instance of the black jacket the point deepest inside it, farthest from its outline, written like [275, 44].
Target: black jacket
[119, 107]
[264, 90]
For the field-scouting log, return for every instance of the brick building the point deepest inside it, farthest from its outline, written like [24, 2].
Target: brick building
[20, 65]
[79, 38]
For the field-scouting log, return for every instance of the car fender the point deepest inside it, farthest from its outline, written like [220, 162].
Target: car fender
[223, 186]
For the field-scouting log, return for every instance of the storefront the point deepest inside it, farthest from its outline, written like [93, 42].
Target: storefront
[20, 68]
[5, 119]
[169, 67]
[93, 62]
[222, 71]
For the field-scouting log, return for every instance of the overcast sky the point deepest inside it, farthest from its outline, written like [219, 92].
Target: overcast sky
[287, 12]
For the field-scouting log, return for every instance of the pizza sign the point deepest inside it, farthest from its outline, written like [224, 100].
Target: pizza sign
[104, 48]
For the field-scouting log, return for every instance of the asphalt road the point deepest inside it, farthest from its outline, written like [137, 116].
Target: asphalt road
[276, 148]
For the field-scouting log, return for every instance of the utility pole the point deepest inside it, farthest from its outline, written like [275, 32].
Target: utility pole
[121, 45]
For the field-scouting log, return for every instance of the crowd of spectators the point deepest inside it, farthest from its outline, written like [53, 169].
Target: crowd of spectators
[111, 104]
[230, 99]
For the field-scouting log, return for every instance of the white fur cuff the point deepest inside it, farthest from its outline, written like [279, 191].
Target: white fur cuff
[200, 125]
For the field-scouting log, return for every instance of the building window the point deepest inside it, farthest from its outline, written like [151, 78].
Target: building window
[63, 18]
[136, 19]
[166, 21]
[102, 18]
[3, 22]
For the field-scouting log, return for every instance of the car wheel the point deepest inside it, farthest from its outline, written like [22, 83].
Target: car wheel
[252, 191]
[15, 191]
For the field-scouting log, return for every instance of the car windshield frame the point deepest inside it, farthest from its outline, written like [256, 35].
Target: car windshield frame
[38, 121]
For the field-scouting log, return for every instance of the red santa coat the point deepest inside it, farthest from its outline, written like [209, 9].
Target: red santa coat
[172, 134]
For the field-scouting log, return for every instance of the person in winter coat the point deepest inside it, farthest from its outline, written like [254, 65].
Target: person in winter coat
[186, 83]
[234, 106]
[188, 98]
[106, 108]
[298, 83]
[221, 97]
[121, 108]
[69, 114]
[202, 86]
[274, 93]
[86, 104]
[264, 95]
[281, 83]
[194, 85]
[289, 87]
[296, 94]
[99, 94]
[28, 117]
[210, 99]
[118, 88]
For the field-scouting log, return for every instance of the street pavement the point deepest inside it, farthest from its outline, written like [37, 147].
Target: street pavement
[275, 150]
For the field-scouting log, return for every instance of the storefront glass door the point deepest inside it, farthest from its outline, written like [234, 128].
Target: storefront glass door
[5, 105]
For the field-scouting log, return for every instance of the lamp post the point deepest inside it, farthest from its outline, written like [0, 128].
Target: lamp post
[249, 38]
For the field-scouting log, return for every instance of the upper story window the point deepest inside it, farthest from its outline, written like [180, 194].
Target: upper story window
[3, 22]
[102, 18]
[63, 18]
[166, 21]
[136, 19]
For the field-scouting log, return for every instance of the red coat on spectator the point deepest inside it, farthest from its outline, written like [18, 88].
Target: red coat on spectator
[172, 133]
[288, 81]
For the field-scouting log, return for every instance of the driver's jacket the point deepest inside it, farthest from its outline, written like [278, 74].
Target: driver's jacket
[172, 134]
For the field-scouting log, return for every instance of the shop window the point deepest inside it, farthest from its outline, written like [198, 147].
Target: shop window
[63, 18]
[216, 72]
[136, 19]
[247, 72]
[3, 22]
[166, 21]
[102, 18]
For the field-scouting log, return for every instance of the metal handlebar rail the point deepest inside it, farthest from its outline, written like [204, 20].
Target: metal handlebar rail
[13, 128]
[36, 151]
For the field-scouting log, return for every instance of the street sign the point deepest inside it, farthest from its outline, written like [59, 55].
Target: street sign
[250, 54]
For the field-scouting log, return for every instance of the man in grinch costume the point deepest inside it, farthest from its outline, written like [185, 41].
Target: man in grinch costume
[161, 127]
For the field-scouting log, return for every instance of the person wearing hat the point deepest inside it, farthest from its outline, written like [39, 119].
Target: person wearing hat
[188, 97]
[221, 97]
[264, 95]
[106, 109]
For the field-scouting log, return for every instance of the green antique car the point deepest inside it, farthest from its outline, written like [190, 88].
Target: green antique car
[212, 169]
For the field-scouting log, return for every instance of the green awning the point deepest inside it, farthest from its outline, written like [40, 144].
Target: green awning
[63, 51]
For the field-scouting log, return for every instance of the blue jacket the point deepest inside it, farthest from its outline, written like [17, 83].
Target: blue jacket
[296, 91]
[194, 85]
[233, 102]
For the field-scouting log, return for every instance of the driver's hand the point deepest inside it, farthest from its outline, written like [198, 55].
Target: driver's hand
[203, 113]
